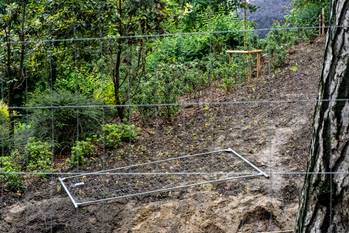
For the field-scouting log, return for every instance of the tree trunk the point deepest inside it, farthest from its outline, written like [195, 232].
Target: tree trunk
[52, 72]
[117, 75]
[324, 206]
[10, 86]
[116, 82]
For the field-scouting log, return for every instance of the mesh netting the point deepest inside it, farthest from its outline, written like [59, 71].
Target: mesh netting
[157, 176]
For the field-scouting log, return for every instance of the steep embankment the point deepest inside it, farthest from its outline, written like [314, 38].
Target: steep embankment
[274, 135]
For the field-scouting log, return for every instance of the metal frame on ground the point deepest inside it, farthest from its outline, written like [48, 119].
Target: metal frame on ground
[114, 172]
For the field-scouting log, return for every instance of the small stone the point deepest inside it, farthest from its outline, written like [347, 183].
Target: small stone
[14, 213]
[8, 219]
[92, 220]
[17, 209]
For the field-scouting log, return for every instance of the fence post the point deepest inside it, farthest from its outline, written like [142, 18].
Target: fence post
[322, 22]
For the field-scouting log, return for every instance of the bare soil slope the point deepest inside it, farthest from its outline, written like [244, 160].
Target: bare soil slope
[272, 134]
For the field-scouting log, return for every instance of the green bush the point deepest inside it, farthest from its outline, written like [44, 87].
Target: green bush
[183, 64]
[82, 80]
[114, 134]
[303, 14]
[38, 155]
[4, 127]
[64, 123]
[196, 47]
[4, 113]
[306, 14]
[233, 74]
[9, 175]
[111, 135]
[167, 83]
[80, 151]
[129, 132]
[277, 43]
[23, 132]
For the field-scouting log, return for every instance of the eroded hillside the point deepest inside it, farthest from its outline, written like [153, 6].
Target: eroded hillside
[272, 134]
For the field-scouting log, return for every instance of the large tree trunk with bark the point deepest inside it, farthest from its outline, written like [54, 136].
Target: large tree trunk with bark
[324, 205]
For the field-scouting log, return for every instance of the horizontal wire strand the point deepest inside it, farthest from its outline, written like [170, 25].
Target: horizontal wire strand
[173, 173]
[183, 104]
[144, 36]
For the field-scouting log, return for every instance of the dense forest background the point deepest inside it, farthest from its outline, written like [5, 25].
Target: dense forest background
[74, 73]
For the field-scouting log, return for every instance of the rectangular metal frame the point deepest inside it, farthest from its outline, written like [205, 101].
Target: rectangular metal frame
[112, 171]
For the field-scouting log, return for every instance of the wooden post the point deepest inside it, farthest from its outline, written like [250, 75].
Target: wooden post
[230, 58]
[245, 25]
[249, 53]
[322, 25]
[320, 19]
[323, 21]
[258, 55]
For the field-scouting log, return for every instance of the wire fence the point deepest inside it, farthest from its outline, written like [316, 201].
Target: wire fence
[177, 34]
[269, 127]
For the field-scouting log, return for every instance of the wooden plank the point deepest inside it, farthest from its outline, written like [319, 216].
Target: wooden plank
[244, 51]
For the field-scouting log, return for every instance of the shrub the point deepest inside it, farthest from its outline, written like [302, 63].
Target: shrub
[276, 45]
[23, 132]
[170, 81]
[64, 123]
[8, 175]
[111, 135]
[196, 47]
[114, 134]
[4, 113]
[4, 123]
[129, 133]
[38, 155]
[306, 14]
[80, 151]
[232, 75]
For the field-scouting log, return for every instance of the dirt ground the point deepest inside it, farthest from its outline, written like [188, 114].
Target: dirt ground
[273, 134]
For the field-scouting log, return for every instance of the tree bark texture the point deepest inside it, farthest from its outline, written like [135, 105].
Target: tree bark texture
[324, 205]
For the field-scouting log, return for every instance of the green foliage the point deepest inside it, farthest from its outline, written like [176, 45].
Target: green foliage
[23, 132]
[90, 67]
[4, 125]
[82, 81]
[111, 135]
[8, 174]
[303, 14]
[180, 65]
[306, 12]
[189, 48]
[80, 151]
[233, 74]
[38, 155]
[114, 134]
[76, 117]
[129, 132]
[276, 44]
[197, 12]
[126, 70]
[16, 20]
[294, 68]
[104, 92]
[4, 114]
[167, 83]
